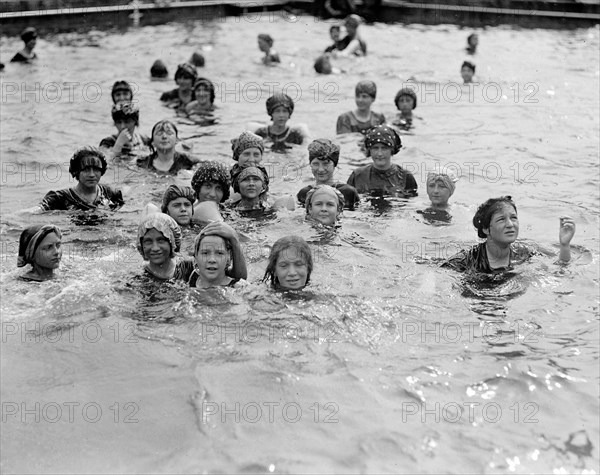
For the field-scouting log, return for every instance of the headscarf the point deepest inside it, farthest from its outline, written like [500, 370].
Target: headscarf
[174, 192]
[406, 91]
[30, 239]
[186, 69]
[245, 141]
[212, 172]
[126, 110]
[28, 34]
[367, 87]
[384, 135]
[446, 178]
[328, 190]
[166, 225]
[266, 38]
[87, 157]
[280, 99]
[245, 172]
[324, 149]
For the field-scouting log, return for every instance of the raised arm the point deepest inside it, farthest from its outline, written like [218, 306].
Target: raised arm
[565, 234]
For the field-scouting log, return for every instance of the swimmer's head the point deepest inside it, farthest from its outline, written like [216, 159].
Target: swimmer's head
[467, 70]
[323, 65]
[485, 212]
[335, 32]
[186, 71]
[165, 225]
[126, 111]
[279, 100]
[366, 87]
[290, 264]
[197, 59]
[178, 202]
[324, 204]
[86, 157]
[37, 249]
[440, 187]
[473, 40]
[29, 34]
[385, 135]
[265, 42]
[121, 92]
[352, 22]
[159, 70]
[247, 148]
[405, 94]
[250, 174]
[203, 84]
[324, 149]
[211, 173]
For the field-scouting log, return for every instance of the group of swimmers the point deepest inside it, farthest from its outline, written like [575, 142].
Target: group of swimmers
[218, 259]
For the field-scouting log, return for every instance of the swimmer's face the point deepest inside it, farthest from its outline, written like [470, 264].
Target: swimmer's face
[335, 34]
[210, 191]
[31, 43]
[49, 252]
[122, 95]
[212, 259]
[474, 40]
[263, 45]
[291, 270]
[381, 156]
[322, 171]
[185, 82]
[203, 96]
[504, 225]
[251, 187]
[156, 247]
[405, 103]
[125, 123]
[89, 177]
[280, 116]
[180, 210]
[324, 208]
[363, 101]
[165, 137]
[467, 74]
[438, 193]
[251, 155]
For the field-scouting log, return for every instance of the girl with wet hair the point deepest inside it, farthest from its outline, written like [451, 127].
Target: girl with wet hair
[290, 264]
[362, 118]
[497, 222]
[40, 246]
[324, 204]
[87, 166]
[280, 108]
[164, 158]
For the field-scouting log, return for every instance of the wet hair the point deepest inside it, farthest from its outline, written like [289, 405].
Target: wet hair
[469, 65]
[202, 235]
[366, 87]
[159, 69]
[121, 86]
[197, 59]
[280, 247]
[207, 84]
[159, 124]
[485, 212]
[124, 111]
[85, 157]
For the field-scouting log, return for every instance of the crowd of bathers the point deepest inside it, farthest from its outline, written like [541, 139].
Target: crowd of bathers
[217, 193]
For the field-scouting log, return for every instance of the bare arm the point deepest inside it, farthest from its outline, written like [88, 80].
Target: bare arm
[565, 234]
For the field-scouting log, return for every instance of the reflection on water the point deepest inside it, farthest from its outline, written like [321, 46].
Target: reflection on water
[385, 363]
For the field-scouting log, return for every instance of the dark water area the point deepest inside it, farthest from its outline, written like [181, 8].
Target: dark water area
[386, 363]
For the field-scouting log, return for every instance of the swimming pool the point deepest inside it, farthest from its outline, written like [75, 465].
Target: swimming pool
[386, 365]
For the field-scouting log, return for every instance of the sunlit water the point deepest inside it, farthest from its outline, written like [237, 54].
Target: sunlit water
[387, 363]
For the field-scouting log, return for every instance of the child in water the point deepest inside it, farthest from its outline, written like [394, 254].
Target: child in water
[127, 140]
[290, 264]
[26, 55]
[467, 70]
[211, 183]
[335, 35]
[382, 176]
[406, 102]
[280, 108]
[250, 182]
[185, 77]
[178, 202]
[361, 119]
[440, 187]
[164, 158]
[352, 44]
[40, 246]
[121, 92]
[472, 42]
[265, 44]
[324, 204]
[200, 110]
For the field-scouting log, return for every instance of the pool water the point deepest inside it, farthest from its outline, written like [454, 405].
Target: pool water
[386, 363]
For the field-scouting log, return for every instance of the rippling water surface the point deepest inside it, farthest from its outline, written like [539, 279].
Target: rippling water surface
[386, 364]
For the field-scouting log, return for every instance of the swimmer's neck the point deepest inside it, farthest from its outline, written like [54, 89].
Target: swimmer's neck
[250, 203]
[165, 270]
[40, 273]
[439, 206]
[165, 155]
[329, 181]
[497, 252]
[406, 114]
[220, 281]
[363, 114]
[88, 192]
[278, 129]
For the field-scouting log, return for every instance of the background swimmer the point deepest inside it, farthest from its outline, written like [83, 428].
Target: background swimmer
[280, 108]
[290, 264]
[472, 42]
[26, 55]
[406, 102]
[164, 158]
[467, 70]
[121, 92]
[185, 77]
[40, 246]
[265, 44]
[362, 118]
[127, 140]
